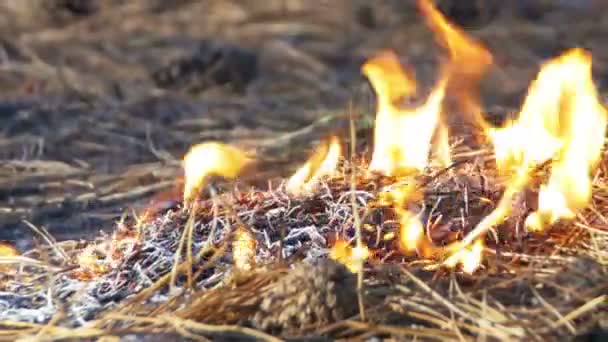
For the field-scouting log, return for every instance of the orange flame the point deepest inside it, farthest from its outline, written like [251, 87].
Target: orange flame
[323, 162]
[469, 60]
[208, 159]
[402, 137]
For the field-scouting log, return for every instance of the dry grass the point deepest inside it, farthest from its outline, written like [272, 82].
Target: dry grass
[89, 134]
[532, 286]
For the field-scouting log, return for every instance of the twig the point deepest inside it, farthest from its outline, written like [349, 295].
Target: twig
[356, 218]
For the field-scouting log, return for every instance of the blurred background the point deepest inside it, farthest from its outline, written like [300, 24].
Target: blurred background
[100, 99]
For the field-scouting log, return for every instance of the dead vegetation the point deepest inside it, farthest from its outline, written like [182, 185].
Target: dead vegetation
[91, 136]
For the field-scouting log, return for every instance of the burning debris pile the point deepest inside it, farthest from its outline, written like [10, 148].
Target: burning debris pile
[507, 224]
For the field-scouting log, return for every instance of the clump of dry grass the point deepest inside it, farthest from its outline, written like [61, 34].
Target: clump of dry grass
[168, 271]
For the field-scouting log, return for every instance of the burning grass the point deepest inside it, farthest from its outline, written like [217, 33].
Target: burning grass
[181, 267]
[504, 239]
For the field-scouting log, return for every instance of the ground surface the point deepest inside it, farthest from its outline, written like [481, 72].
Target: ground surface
[99, 100]
[86, 132]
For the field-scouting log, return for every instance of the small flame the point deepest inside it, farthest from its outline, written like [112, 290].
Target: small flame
[351, 257]
[402, 137]
[243, 249]
[469, 60]
[208, 159]
[469, 258]
[562, 119]
[8, 250]
[411, 232]
[323, 162]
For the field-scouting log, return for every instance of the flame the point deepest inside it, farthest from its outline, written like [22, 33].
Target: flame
[561, 119]
[469, 258]
[323, 162]
[411, 232]
[441, 146]
[402, 137]
[351, 257]
[469, 60]
[243, 249]
[207, 159]
[8, 250]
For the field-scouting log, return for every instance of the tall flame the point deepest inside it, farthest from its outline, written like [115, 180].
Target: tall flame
[581, 129]
[402, 137]
[562, 119]
[210, 159]
[469, 61]
[323, 162]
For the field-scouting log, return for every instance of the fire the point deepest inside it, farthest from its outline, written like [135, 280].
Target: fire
[562, 119]
[209, 159]
[562, 123]
[323, 162]
[8, 250]
[351, 257]
[243, 249]
[411, 231]
[402, 136]
[469, 61]
[469, 258]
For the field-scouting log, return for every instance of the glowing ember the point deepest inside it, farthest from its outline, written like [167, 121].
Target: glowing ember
[322, 163]
[100, 258]
[211, 159]
[243, 249]
[402, 137]
[351, 257]
[92, 262]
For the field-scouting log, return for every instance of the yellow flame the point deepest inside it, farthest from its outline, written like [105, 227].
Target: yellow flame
[469, 60]
[441, 146]
[402, 137]
[561, 119]
[8, 250]
[243, 249]
[208, 159]
[323, 162]
[351, 257]
[411, 232]
[469, 258]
